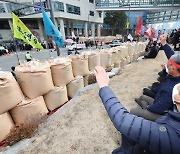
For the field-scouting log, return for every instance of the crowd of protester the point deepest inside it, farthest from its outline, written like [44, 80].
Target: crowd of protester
[153, 127]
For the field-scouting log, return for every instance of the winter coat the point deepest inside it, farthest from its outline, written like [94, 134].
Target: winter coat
[168, 50]
[140, 135]
[163, 99]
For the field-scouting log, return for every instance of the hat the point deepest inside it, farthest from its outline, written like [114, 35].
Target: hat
[175, 92]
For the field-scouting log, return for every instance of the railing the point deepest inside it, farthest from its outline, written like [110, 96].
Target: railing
[137, 3]
[163, 16]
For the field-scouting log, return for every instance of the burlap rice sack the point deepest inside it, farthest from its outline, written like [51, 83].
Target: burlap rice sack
[6, 123]
[56, 97]
[62, 74]
[106, 58]
[28, 108]
[74, 86]
[10, 92]
[34, 78]
[93, 61]
[80, 65]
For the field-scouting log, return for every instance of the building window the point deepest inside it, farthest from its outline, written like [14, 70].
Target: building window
[91, 13]
[2, 10]
[31, 24]
[100, 14]
[73, 9]
[4, 24]
[19, 9]
[91, 1]
[58, 6]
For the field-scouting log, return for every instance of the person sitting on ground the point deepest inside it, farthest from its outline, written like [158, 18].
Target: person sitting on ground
[152, 109]
[162, 74]
[153, 51]
[138, 134]
[28, 57]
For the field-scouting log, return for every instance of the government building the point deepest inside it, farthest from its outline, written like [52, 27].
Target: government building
[79, 16]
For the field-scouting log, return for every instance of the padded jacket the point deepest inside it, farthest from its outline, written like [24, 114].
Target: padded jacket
[168, 50]
[160, 137]
[163, 99]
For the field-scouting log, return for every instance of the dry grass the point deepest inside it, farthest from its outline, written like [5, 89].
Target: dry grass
[24, 130]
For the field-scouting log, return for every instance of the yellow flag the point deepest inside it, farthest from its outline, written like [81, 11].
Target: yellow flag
[23, 33]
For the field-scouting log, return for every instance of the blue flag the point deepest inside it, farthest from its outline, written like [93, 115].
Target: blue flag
[51, 30]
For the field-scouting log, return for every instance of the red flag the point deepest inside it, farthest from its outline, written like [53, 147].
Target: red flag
[139, 26]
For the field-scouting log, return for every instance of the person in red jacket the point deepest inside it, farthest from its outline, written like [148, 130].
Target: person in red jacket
[141, 136]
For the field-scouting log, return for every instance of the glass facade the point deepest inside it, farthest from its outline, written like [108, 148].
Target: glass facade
[155, 17]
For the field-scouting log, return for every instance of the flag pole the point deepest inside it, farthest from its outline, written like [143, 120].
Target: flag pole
[53, 20]
[16, 51]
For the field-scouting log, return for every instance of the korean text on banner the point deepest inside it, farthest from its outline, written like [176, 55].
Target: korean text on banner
[23, 33]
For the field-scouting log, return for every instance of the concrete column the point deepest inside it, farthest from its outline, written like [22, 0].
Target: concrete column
[72, 29]
[67, 25]
[86, 29]
[61, 21]
[77, 31]
[10, 24]
[99, 30]
[41, 30]
[93, 30]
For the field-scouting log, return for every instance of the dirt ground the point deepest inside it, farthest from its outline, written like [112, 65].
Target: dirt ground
[82, 126]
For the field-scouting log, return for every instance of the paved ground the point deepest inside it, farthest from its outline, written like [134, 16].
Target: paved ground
[7, 61]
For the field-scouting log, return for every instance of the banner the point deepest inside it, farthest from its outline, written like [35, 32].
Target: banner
[127, 25]
[139, 26]
[23, 33]
[51, 30]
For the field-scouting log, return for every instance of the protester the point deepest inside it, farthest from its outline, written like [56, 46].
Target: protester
[140, 135]
[152, 109]
[166, 47]
[28, 57]
[129, 38]
[162, 74]
[176, 39]
[153, 51]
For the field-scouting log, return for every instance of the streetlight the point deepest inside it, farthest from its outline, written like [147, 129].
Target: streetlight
[53, 20]
[128, 19]
[88, 26]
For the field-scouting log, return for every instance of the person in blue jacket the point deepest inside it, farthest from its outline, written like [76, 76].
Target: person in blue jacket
[152, 109]
[138, 134]
[162, 74]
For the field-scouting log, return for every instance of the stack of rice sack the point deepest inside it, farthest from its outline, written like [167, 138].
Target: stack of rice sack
[135, 56]
[61, 70]
[142, 48]
[35, 80]
[106, 59]
[80, 68]
[10, 96]
[93, 61]
[123, 55]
